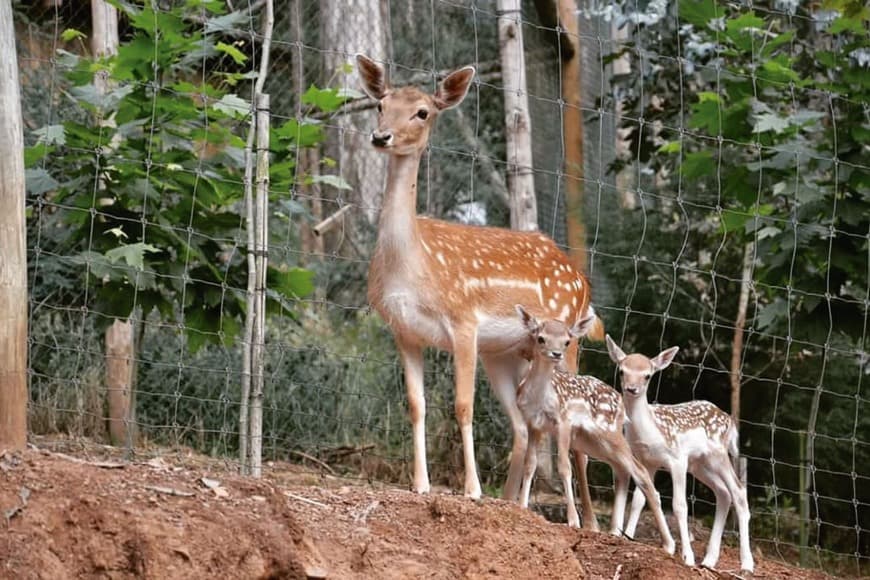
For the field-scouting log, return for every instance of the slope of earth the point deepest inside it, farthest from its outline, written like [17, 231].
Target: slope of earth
[169, 517]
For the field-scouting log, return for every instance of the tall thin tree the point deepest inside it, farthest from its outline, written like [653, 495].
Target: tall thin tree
[13, 256]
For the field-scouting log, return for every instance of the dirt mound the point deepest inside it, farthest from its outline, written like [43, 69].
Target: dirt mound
[72, 518]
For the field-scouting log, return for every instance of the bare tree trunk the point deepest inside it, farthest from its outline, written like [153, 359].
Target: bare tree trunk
[518, 126]
[119, 336]
[572, 129]
[119, 381]
[624, 178]
[348, 31]
[13, 257]
[739, 325]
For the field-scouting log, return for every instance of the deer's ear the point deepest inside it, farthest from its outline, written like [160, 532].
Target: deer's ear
[616, 353]
[664, 358]
[374, 78]
[584, 325]
[453, 88]
[529, 321]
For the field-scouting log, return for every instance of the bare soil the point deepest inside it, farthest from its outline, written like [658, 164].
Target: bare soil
[90, 515]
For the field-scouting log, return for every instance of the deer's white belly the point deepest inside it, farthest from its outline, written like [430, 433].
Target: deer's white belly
[496, 334]
[404, 310]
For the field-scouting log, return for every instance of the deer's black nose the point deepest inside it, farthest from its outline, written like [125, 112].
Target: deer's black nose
[381, 138]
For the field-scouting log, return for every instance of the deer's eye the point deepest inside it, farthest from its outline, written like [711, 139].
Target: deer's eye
[380, 107]
[567, 342]
[423, 114]
[540, 340]
[646, 376]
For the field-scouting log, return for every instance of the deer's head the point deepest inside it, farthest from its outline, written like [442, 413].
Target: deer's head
[406, 115]
[636, 370]
[552, 337]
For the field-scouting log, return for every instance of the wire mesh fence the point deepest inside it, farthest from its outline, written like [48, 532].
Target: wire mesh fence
[725, 149]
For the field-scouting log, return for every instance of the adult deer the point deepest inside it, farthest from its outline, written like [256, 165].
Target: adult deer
[454, 286]
[695, 437]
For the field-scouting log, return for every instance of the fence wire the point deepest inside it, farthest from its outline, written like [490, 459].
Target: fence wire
[139, 216]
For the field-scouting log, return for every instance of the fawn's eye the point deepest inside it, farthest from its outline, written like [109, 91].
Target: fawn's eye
[567, 342]
[423, 114]
[540, 340]
[380, 107]
[646, 376]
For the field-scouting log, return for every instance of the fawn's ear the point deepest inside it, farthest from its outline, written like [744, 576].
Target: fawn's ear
[453, 88]
[585, 325]
[374, 78]
[529, 321]
[616, 353]
[663, 359]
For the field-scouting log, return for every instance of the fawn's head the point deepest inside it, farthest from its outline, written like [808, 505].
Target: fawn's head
[636, 369]
[406, 115]
[552, 337]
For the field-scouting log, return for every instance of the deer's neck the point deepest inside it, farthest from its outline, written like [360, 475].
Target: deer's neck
[540, 376]
[397, 229]
[639, 414]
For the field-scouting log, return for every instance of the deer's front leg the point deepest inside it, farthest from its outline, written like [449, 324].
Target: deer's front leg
[412, 361]
[531, 464]
[465, 363]
[681, 511]
[564, 435]
[504, 374]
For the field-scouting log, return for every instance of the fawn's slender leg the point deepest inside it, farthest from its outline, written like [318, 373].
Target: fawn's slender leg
[643, 480]
[723, 504]
[412, 360]
[637, 502]
[531, 463]
[620, 496]
[564, 444]
[504, 375]
[681, 511]
[741, 506]
[581, 460]
[465, 361]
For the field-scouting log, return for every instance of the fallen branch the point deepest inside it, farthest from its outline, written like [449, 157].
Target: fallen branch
[23, 493]
[305, 499]
[169, 491]
[330, 222]
[344, 451]
[313, 459]
[100, 464]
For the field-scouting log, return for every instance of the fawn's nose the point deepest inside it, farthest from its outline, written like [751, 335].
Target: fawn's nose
[555, 355]
[381, 138]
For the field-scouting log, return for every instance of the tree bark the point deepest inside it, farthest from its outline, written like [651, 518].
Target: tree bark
[739, 326]
[119, 381]
[348, 31]
[518, 126]
[572, 129]
[13, 256]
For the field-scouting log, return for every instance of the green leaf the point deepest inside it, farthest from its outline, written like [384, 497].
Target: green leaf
[327, 100]
[770, 122]
[335, 181]
[697, 164]
[133, 254]
[670, 147]
[233, 52]
[292, 284]
[51, 135]
[39, 181]
[32, 155]
[71, 34]
[234, 106]
[304, 134]
[734, 220]
[699, 12]
[771, 314]
[846, 24]
[707, 114]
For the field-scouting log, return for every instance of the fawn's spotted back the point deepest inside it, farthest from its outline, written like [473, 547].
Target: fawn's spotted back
[601, 401]
[672, 420]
